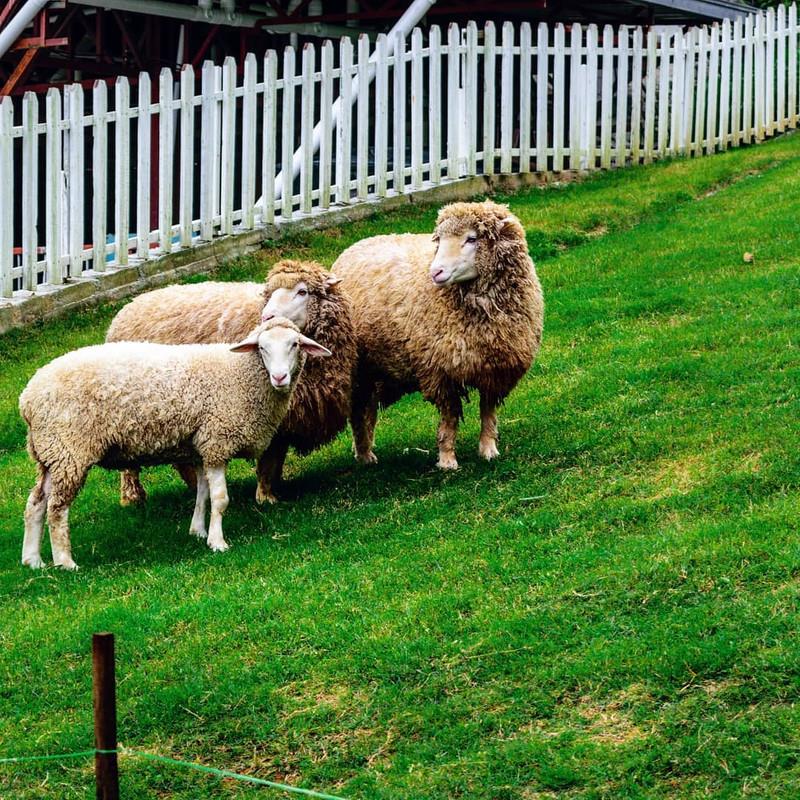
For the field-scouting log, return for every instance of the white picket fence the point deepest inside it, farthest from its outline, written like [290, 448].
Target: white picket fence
[181, 167]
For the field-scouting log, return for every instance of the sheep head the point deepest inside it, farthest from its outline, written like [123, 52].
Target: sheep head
[294, 290]
[470, 241]
[282, 348]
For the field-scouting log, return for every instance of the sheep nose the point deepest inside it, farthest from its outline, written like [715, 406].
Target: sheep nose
[279, 380]
[437, 273]
[267, 317]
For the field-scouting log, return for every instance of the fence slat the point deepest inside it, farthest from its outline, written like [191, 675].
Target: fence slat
[326, 127]
[575, 123]
[725, 85]
[417, 115]
[207, 152]
[165, 152]
[506, 96]
[75, 177]
[650, 98]
[228, 160]
[607, 98]
[434, 104]
[636, 96]
[759, 82]
[471, 97]
[186, 204]
[678, 108]
[525, 114]
[362, 128]
[769, 72]
[736, 84]
[780, 100]
[248, 143]
[99, 175]
[591, 97]
[343, 127]
[268, 126]
[622, 96]
[453, 99]
[143, 167]
[381, 114]
[713, 78]
[559, 106]
[6, 197]
[307, 128]
[30, 190]
[664, 69]
[793, 46]
[690, 49]
[399, 115]
[54, 182]
[542, 60]
[489, 67]
[122, 172]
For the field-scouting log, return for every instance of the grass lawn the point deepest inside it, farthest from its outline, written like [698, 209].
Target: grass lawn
[610, 610]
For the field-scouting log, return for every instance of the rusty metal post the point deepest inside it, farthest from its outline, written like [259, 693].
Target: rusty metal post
[104, 692]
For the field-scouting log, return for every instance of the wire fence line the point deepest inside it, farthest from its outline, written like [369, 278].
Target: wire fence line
[127, 752]
[98, 181]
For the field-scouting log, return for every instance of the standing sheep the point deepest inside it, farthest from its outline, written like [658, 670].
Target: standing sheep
[125, 404]
[303, 292]
[461, 310]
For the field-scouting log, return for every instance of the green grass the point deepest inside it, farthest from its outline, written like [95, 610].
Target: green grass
[608, 611]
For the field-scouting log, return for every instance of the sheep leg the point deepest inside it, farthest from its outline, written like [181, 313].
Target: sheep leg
[62, 493]
[131, 491]
[198, 524]
[219, 502]
[363, 417]
[269, 471]
[188, 473]
[34, 520]
[446, 436]
[487, 445]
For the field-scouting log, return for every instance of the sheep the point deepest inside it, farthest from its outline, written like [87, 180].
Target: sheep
[461, 310]
[305, 293]
[125, 404]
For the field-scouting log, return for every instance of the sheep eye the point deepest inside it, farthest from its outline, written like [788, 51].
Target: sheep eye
[302, 292]
[472, 239]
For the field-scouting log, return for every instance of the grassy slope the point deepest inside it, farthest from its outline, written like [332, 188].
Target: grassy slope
[610, 610]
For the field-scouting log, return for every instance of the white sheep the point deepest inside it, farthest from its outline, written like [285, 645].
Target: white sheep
[126, 404]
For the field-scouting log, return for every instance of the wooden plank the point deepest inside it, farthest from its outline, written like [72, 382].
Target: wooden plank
[30, 190]
[506, 97]
[650, 97]
[381, 114]
[622, 96]
[165, 180]
[434, 104]
[542, 77]
[76, 169]
[307, 128]
[122, 170]
[6, 197]
[747, 82]
[399, 115]
[559, 105]
[769, 71]
[575, 121]
[636, 96]
[269, 137]
[525, 113]
[725, 85]
[186, 203]
[701, 92]
[417, 116]
[759, 82]
[690, 48]
[326, 121]
[362, 116]
[228, 154]
[713, 82]
[489, 102]
[287, 132]
[53, 180]
[794, 43]
[471, 95]
[454, 111]
[664, 69]
[780, 99]
[590, 98]
[99, 174]
[249, 128]
[677, 99]
[208, 105]
[607, 97]
[736, 84]
[143, 169]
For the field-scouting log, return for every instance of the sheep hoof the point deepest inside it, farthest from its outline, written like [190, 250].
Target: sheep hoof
[447, 461]
[134, 498]
[200, 533]
[265, 496]
[66, 563]
[367, 458]
[219, 547]
[34, 562]
[488, 450]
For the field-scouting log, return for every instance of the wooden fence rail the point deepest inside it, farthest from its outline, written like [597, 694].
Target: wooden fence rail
[168, 165]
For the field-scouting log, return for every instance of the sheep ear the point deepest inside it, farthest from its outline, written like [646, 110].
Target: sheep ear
[332, 280]
[313, 348]
[504, 223]
[246, 345]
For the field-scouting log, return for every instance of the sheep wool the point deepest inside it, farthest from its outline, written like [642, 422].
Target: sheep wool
[483, 333]
[126, 404]
[226, 312]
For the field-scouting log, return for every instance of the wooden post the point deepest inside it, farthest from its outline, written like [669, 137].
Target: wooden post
[105, 716]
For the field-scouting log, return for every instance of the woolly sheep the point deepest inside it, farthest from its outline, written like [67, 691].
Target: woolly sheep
[305, 293]
[442, 315]
[126, 404]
